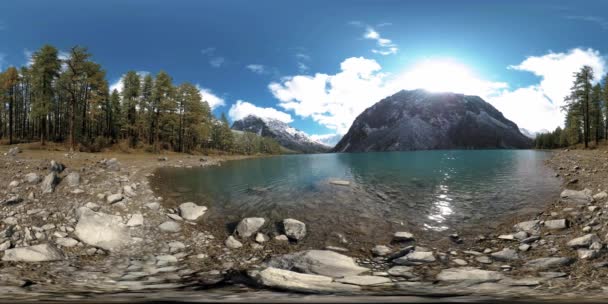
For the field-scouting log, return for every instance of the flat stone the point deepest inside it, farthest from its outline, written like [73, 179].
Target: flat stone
[101, 230]
[36, 253]
[281, 238]
[401, 271]
[583, 196]
[66, 242]
[548, 263]
[468, 275]
[460, 262]
[552, 274]
[322, 262]
[584, 241]
[416, 258]
[364, 280]
[587, 254]
[233, 243]
[153, 206]
[294, 229]
[170, 226]
[483, 259]
[556, 224]
[524, 247]
[249, 226]
[114, 198]
[191, 211]
[403, 236]
[136, 219]
[299, 282]
[505, 255]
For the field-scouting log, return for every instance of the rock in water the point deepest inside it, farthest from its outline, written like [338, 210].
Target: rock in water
[286, 135]
[421, 120]
[49, 183]
[191, 211]
[322, 262]
[101, 230]
[468, 275]
[294, 229]
[37, 253]
[249, 226]
[299, 282]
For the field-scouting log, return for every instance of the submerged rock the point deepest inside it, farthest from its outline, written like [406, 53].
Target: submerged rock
[299, 282]
[101, 230]
[294, 229]
[323, 262]
[36, 253]
[249, 226]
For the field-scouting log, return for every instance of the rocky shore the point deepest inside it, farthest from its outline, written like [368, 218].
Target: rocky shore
[84, 226]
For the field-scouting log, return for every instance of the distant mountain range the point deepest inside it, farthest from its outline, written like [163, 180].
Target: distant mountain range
[283, 133]
[421, 120]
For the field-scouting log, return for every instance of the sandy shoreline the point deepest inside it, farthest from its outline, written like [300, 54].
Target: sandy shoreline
[202, 259]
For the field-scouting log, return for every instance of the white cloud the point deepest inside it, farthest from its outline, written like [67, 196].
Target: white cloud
[217, 62]
[242, 109]
[327, 139]
[256, 68]
[118, 84]
[213, 100]
[385, 46]
[334, 101]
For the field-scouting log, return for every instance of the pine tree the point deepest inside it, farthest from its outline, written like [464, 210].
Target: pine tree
[130, 95]
[45, 70]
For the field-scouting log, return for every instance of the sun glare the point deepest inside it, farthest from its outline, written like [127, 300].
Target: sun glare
[442, 76]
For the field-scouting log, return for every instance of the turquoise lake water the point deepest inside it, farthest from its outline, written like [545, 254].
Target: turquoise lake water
[433, 191]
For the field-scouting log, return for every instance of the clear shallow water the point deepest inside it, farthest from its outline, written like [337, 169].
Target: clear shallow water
[433, 191]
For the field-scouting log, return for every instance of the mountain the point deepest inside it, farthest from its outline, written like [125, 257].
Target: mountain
[421, 120]
[286, 135]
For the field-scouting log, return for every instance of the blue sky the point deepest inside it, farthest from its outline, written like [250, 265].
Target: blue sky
[318, 64]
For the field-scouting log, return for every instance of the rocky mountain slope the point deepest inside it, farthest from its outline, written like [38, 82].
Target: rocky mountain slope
[286, 135]
[421, 120]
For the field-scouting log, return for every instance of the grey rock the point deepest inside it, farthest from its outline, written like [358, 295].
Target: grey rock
[13, 151]
[114, 198]
[548, 263]
[364, 280]
[153, 206]
[556, 224]
[583, 196]
[415, 258]
[57, 167]
[38, 253]
[587, 254]
[32, 178]
[322, 262]
[129, 191]
[402, 271]
[5, 245]
[281, 238]
[469, 275]
[584, 241]
[170, 226]
[233, 243]
[49, 183]
[101, 230]
[261, 238]
[381, 250]
[249, 226]
[73, 179]
[136, 219]
[505, 255]
[403, 236]
[600, 196]
[294, 229]
[66, 242]
[528, 226]
[191, 211]
[111, 164]
[483, 259]
[299, 282]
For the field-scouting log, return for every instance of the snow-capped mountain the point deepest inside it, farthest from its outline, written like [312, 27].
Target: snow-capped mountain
[283, 133]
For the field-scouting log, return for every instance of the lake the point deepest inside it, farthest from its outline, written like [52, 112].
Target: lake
[427, 192]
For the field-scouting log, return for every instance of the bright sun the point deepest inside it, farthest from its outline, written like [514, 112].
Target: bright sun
[443, 75]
